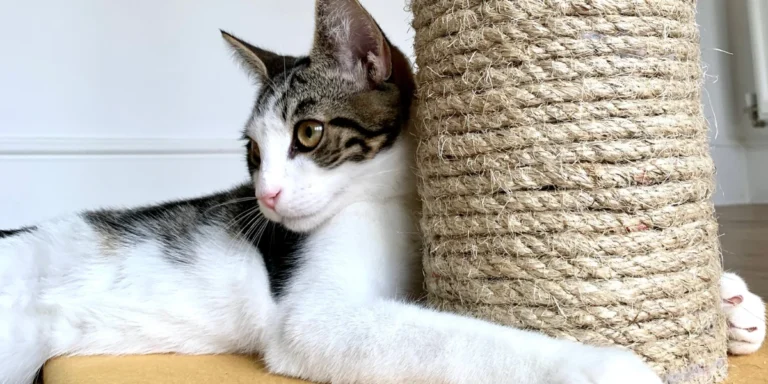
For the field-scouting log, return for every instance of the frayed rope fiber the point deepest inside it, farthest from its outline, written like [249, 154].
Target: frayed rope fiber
[566, 177]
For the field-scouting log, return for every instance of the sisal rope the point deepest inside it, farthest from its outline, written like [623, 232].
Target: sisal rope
[566, 176]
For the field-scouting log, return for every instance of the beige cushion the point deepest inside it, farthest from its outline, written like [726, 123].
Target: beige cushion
[174, 369]
[160, 369]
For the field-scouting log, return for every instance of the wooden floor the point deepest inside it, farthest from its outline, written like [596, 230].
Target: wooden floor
[744, 238]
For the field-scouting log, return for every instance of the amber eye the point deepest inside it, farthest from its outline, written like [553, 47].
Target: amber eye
[253, 152]
[308, 134]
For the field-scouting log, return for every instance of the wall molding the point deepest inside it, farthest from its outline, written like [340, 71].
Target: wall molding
[759, 144]
[47, 146]
[725, 143]
[78, 146]
[741, 143]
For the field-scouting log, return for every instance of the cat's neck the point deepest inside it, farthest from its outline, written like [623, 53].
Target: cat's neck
[394, 177]
[391, 181]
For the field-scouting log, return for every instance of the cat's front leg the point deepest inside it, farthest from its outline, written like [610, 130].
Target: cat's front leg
[584, 364]
[391, 342]
[340, 321]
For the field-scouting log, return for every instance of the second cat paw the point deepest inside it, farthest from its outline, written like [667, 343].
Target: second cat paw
[745, 314]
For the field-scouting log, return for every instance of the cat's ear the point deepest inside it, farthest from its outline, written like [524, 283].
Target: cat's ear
[346, 33]
[261, 64]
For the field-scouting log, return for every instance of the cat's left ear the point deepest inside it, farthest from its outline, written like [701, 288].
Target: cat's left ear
[261, 64]
[346, 33]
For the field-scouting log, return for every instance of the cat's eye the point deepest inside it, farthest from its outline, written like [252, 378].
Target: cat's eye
[253, 151]
[308, 134]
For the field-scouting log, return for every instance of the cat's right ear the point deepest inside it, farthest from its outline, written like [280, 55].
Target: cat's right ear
[261, 64]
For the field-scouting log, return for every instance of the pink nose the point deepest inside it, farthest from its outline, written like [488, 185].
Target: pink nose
[269, 198]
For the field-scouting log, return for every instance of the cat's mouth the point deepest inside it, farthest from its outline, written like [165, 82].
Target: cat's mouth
[303, 220]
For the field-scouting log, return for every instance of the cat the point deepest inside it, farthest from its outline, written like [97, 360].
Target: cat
[313, 263]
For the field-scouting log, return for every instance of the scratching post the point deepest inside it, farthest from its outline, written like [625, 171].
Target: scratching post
[566, 177]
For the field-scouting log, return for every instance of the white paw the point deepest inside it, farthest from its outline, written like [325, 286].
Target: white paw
[591, 365]
[745, 313]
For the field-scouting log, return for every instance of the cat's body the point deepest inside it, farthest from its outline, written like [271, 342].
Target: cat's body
[319, 275]
[197, 277]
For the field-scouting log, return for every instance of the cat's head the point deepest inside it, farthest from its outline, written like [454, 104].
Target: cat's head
[327, 129]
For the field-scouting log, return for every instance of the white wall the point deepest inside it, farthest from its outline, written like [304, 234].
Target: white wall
[755, 140]
[740, 150]
[720, 107]
[120, 103]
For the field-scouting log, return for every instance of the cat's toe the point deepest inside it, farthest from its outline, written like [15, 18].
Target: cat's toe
[732, 288]
[745, 313]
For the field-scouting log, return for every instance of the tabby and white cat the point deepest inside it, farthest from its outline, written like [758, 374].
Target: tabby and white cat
[313, 264]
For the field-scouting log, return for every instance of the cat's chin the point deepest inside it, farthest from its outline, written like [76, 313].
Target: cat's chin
[303, 223]
[299, 223]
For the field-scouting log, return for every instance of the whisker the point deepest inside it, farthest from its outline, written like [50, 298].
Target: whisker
[243, 239]
[272, 85]
[755, 315]
[262, 230]
[243, 215]
[254, 228]
[233, 201]
[380, 173]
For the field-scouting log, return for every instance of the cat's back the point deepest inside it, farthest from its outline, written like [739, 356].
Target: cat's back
[169, 231]
[150, 274]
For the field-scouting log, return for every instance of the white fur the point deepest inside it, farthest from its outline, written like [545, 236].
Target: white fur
[60, 294]
[746, 316]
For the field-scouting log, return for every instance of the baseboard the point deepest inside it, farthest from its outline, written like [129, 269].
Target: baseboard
[116, 146]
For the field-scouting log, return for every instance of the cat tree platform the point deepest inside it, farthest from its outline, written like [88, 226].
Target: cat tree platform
[173, 369]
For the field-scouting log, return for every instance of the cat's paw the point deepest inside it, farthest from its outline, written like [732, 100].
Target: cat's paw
[592, 365]
[745, 313]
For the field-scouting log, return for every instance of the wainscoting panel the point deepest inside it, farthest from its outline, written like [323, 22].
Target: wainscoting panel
[46, 178]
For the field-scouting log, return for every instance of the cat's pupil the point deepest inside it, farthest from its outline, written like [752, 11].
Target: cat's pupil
[308, 131]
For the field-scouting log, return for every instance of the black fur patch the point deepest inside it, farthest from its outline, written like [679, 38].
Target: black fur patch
[173, 224]
[253, 161]
[13, 232]
[176, 224]
[275, 84]
[265, 93]
[280, 249]
[303, 106]
[351, 124]
[349, 140]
